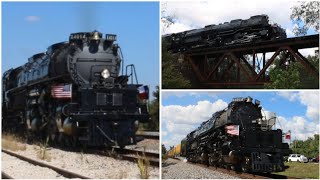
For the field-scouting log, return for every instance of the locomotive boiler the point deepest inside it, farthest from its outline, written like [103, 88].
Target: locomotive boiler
[238, 31]
[77, 92]
[241, 136]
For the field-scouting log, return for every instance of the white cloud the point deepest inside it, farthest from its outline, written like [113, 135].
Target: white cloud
[176, 139]
[308, 98]
[300, 128]
[164, 133]
[308, 51]
[191, 114]
[198, 14]
[32, 18]
[181, 120]
[289, 32]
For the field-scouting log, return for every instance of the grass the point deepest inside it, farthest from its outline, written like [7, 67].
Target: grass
[43, 151]
[112, 153]
[143, 165]
[301, 170]
[83, 158]
[12, 142]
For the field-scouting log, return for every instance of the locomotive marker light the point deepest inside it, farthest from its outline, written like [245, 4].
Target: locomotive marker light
[111, 37]
[105, 74]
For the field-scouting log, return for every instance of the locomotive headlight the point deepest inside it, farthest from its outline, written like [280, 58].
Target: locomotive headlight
[105, 73]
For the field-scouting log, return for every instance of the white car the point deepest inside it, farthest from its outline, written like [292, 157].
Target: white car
[297, 158]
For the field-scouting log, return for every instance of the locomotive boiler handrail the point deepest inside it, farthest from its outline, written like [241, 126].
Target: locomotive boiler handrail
[34, 83]
[133, 70]
[122, 60]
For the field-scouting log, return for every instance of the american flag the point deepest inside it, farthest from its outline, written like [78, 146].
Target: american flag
[61, 91]
[232, 129]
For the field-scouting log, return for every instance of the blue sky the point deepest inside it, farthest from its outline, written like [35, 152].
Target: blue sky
[30, 27]
[182, 112]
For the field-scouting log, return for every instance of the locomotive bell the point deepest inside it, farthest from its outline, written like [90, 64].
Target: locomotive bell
[95, 35]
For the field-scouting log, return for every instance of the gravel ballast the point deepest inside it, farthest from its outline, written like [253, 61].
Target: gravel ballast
[176, 169]
[26, 170]
[90, 165]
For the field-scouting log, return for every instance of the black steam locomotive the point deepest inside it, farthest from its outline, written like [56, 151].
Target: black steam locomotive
[239, 137]
[73, 93]
[256, 28]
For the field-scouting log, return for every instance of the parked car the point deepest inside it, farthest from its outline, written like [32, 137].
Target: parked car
[315, 159]
[297, 158]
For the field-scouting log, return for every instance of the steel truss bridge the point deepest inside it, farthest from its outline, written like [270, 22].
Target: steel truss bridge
[228, 66]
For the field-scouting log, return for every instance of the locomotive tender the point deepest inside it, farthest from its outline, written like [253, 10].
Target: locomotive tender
[74, 94]
[238, 31]
[240, 137]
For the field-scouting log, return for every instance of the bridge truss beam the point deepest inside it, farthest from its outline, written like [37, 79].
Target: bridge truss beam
[239, 65]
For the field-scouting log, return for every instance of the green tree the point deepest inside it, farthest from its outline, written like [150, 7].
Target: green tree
[153, 124]
[306, 15]
[309, 147]
[294, 75]
[284, 78]
[154, 111]
[171, 77]
[163, 149]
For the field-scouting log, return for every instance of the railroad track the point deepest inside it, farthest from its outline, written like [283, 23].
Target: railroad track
[129, 154]
[148, 134]
[65, 173]
[5, 176]
[244, 175]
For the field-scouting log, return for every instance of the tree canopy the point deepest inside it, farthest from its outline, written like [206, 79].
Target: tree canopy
[309, 147]
[293, 76]
[306, 15]
[171, 77]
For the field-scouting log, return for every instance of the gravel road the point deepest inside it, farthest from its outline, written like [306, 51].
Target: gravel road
[90, 165]
[176, 169]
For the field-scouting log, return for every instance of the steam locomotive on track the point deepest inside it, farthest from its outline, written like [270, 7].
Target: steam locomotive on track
[238, 31]
[239, 137]
[76, 93]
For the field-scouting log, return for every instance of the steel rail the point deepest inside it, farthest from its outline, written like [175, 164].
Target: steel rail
[5, 176]
[148, 134]
[130, 155]
[65, 173]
